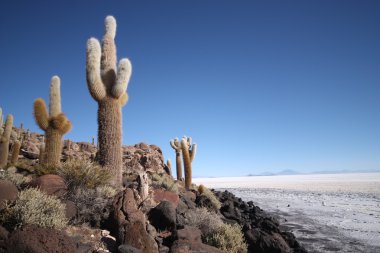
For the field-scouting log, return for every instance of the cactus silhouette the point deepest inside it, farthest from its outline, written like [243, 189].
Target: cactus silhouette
[108, 86]
[176, 145]
[189, 152]
[55, 123]
[4, 141]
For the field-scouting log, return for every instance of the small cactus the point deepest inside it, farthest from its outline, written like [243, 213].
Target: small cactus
[15, 152]
[4, 142]
[189, 152]
[108, 84]
[176, 145]
[201, 189]
[55, 123]
[168, 167]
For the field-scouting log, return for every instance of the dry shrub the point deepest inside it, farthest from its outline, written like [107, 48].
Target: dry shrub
[83, 174]
[210, 195]
[207, 222]
[228, 238]
[11, 175]
[93, 204]
[165, 181]
[35, 207]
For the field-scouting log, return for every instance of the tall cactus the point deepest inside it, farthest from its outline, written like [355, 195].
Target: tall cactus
[1, 117]
[15, 152]
[176, 145]
[55, 123]
[108, 86]
[4, 141]
[189, 152]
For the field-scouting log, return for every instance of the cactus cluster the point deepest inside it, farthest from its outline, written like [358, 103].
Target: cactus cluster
[188, 151]
[55, 124]
[108, 84]
[4, 141]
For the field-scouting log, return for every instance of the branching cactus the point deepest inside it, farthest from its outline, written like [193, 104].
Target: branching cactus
[42, 153]
[108, 86]
[189, 152]
[4, 142]
[176, 145]
[55, 123]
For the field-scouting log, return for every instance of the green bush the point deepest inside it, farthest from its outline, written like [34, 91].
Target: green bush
[35, 207]
[83, 174]
[228, 238]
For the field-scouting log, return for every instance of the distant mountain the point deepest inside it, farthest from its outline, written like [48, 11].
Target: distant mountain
[293, 172]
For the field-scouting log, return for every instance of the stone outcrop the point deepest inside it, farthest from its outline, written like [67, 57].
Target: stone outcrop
[143, 157]
[262, 232]
[50, 184]
[130, 224]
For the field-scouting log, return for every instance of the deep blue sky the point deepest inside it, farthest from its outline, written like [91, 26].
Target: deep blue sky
[259, 85]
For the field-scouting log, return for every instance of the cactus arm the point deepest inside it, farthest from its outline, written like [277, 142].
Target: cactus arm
[108, 60]
[193, 152]
[123, 99]
[172, 144]
[123, 75]
[41, 114]
[65, 127]
[55, 96]
[94, 80]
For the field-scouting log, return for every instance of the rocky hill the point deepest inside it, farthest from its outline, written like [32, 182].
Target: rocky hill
[151, 213]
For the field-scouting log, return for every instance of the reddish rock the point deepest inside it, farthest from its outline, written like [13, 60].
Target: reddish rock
[130, 223]
[189, 233]
[34, 239]
[161, 195]
[186, 246]
[8, 192]
[190, 195]
[50, 184]
[71, 209]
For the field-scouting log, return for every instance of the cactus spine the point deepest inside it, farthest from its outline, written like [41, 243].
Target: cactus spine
[176, 145]
[189, 152]
[4, 142]
[108, 86]
[15, 152]
[55, 123]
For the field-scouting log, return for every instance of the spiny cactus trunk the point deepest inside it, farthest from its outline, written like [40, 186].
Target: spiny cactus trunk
[187, 164]
[53, 147]
[4, 142]
[15, 153]
[4, 152]
[178, 164]
[110, 137]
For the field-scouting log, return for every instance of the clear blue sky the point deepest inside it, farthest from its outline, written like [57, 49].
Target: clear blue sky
[259, 85]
